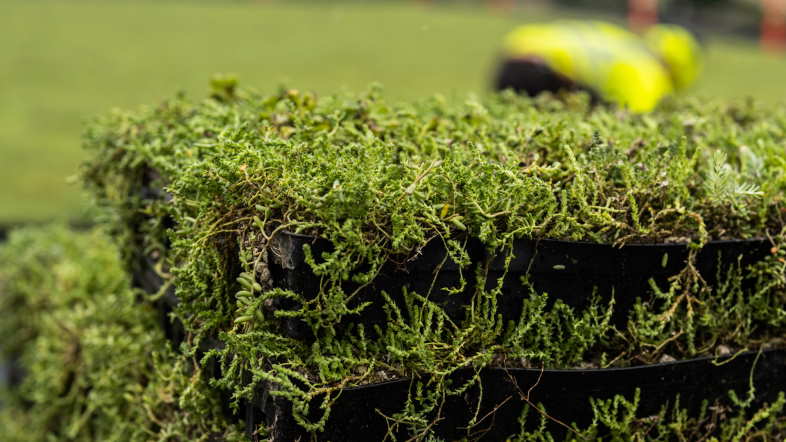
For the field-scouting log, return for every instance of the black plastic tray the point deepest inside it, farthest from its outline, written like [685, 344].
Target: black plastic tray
[144, 275]
[11, 372]
[357, 415]
[147, 279]
[289, 270]
[569, 271]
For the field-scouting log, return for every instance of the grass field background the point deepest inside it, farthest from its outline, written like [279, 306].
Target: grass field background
[66, 61]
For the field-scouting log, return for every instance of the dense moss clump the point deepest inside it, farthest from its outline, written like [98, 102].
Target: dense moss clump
[204, 191]
[96, 364]
[694, 171]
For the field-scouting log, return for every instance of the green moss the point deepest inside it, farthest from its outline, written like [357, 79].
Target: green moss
[96, 364]
[204, 188]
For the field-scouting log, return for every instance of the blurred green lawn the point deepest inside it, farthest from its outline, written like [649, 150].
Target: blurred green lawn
[62, 62]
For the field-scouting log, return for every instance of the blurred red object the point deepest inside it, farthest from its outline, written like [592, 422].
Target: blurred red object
[773, 25]
[503, 6]
[642, 14]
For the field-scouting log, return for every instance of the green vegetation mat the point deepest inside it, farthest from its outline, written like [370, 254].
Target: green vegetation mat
[96, 364]
[65, 61]
[203, 189]
[98, 368]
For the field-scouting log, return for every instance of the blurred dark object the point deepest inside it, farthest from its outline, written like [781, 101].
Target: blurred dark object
[714, 16]
[531, 75]
[731, 17]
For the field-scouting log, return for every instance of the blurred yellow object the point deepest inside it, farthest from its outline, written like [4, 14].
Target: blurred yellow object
[616, 64]
[677, 48]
